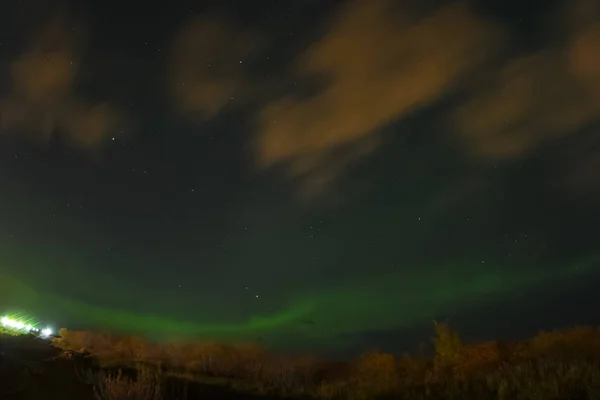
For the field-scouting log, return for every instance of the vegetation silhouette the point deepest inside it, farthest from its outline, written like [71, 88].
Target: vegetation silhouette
[552, 365]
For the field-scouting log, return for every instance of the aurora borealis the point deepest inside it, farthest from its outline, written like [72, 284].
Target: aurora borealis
[316, 176]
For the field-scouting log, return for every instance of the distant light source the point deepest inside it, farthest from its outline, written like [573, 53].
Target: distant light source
[17, 326]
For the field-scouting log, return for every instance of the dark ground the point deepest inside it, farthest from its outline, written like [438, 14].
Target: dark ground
[31, 368]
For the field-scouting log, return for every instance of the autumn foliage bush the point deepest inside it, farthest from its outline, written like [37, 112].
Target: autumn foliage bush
[549, 365]
[116, 386]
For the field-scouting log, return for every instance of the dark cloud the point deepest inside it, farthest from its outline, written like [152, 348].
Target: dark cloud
[43, 100]
[538, 97]
[380, 64]
[207, 69]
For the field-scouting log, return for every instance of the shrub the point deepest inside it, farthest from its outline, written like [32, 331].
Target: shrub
[116, 386]
[479, 357]
[378, 371]
[568, 343]
[448, 347]
[556, 364]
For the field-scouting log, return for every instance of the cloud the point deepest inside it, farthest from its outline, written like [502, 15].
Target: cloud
[537, 97]
[43, 101]
[380, 65]
[207, 68]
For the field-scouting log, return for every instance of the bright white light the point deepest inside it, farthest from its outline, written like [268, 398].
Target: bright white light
[21, 326]
[11, 323]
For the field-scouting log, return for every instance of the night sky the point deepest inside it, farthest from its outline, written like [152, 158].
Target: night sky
[316, 175]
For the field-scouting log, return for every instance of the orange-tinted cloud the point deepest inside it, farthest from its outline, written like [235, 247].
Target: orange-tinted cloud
[380, 65]
[207, 67]
[42, 100]
[538, 97]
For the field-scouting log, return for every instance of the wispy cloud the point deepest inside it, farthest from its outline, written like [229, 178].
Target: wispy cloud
[43, 100]
[207, 69]
[380, 64]
[538, 97]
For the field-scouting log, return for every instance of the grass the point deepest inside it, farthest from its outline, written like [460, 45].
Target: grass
[552, 365]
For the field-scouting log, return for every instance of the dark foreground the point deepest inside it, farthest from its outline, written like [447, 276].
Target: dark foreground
[557, 365]
[33, 369]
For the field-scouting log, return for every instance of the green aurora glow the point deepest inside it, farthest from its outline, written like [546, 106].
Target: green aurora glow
[377, 304]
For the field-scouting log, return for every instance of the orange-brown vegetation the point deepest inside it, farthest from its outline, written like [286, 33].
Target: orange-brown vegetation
[550, 365]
